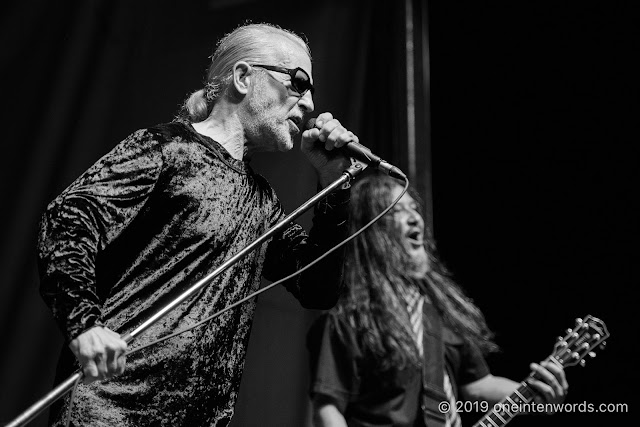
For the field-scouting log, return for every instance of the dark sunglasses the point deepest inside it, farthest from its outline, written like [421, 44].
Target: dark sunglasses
[300, 81]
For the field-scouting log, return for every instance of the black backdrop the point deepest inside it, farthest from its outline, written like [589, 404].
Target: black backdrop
[533, 154]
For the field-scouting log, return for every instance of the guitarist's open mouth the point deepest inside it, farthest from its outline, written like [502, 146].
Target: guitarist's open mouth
[415, 238]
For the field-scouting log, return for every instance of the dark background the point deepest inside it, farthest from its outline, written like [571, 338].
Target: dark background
[533, 157]
[534, 154]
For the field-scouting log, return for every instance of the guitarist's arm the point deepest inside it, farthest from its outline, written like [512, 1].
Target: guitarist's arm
[489, 388]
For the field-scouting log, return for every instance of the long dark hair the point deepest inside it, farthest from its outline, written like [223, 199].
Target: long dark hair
[376, 271]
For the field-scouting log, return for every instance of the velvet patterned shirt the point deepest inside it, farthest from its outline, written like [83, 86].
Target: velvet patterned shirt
[149, 219]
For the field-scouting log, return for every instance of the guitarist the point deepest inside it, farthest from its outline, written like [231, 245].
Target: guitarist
[404, 342]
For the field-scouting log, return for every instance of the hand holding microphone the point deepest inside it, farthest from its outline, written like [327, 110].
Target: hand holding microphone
[335, 135]
[319, 140]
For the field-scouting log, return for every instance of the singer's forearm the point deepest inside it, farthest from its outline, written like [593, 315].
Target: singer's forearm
[319, 286]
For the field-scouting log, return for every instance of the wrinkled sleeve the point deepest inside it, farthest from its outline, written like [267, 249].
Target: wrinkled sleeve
[319, 286]
[83, 220]
[333, 362]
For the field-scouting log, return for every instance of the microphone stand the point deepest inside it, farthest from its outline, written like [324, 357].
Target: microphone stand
[355, 169]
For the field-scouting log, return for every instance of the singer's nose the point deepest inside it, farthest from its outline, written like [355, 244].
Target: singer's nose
[306, 102]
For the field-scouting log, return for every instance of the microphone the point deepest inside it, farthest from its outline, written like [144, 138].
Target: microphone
[363, 154]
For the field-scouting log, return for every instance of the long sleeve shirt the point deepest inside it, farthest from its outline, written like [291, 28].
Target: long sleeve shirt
[165, 207]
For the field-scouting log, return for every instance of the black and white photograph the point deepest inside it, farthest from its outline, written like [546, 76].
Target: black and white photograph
[398, 213]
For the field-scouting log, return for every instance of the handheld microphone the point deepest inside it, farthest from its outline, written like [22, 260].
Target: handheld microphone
[363, 154]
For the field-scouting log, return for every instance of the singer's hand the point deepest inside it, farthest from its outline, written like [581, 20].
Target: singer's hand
[101, 353]
[318, 144]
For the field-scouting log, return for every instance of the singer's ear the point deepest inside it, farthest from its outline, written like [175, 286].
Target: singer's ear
[242, 77]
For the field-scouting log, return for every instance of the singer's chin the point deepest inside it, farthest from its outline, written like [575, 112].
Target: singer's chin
[286, 144]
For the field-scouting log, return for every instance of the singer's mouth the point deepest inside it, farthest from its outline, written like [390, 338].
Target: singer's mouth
[294, 128]
[296, 121]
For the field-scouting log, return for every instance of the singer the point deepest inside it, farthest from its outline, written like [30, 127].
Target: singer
[166, 206]
[404, 338]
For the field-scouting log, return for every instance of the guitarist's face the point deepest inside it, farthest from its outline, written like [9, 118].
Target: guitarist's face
[409, 226]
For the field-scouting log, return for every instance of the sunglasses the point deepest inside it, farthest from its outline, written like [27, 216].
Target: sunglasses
[300, 81]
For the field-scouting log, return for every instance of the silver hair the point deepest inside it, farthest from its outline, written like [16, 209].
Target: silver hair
[249, 42]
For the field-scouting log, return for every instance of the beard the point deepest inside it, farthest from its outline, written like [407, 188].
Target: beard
[268, 126]
[418, 262]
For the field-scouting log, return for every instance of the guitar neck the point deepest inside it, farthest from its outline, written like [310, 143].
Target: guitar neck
[569, 350]
[507, 408]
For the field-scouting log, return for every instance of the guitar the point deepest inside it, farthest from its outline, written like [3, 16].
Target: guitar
[568, 351]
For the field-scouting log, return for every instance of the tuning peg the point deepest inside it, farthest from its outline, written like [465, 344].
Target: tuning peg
[596, 337]
[579, 321]
[575, 355]
[583, 362]
[603, 345]
[568, 331]
[592, 354]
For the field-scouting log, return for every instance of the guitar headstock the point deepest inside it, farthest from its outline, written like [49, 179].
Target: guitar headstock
[580, 341]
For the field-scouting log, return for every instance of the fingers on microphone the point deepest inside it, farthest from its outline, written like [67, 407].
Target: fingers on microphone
[323, 118]
[327, 131]
[345, 138]
[339, 137]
